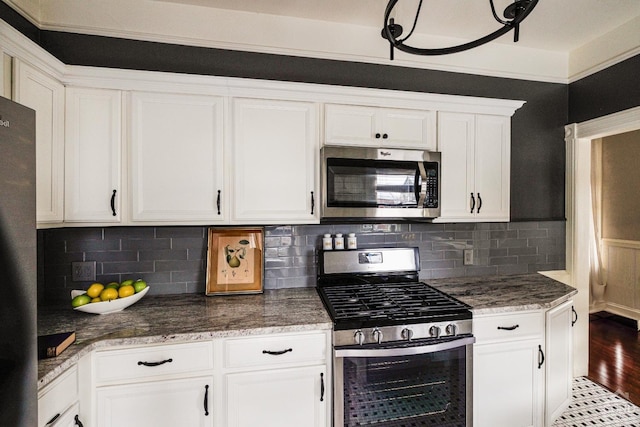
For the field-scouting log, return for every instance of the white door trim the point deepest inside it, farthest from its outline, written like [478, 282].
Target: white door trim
[578, 138]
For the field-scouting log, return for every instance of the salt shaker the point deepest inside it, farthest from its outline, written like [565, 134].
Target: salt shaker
[338, 241]
[352, 241]
[327, 243]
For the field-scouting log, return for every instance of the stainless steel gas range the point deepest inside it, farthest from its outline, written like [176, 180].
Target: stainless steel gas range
[402, 349]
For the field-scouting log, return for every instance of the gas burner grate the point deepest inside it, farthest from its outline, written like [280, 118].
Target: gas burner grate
[395, 303]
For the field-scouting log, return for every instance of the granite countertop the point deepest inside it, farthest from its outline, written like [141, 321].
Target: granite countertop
[191, 317]
[499, 294]
[179, 318]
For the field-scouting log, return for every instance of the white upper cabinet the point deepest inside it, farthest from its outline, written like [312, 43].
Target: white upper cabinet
[476, 151]
[44, 94]
[93, 155]
[274, 150]
[176, 152]
[380, 127]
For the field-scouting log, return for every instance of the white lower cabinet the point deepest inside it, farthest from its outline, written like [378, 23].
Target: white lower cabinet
[58, 402]
[523, 368]
[177, 402]
[507, 371]
[154, 385]
[278, 380]
[559, 360]
[277, 397]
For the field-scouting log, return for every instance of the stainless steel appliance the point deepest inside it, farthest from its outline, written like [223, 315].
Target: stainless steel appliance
[18, 361]
[365, 183]
[402, 349]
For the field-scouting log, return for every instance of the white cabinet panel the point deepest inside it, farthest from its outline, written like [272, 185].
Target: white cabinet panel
[169, 403]
[507, 384]
[93, 155]
[177, 158]
[274, 157]
[45, 95]
[293, 397]
[475, 167]
[559, 360]
[58, 397]
[380, 127]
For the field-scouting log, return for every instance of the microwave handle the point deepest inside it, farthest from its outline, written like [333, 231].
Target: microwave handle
[422, 183]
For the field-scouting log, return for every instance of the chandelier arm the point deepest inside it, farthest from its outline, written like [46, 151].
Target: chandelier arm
[415, 21]
[508, 26]
[495, 15]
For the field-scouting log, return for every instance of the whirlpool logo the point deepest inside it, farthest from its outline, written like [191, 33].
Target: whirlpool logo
[4, 123]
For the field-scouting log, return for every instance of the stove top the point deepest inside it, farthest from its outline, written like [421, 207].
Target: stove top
[368, 305]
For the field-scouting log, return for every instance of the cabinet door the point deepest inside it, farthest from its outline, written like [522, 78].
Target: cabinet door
[492, 167]
[176, 170]
[457, 147]
[559, 360]
[275, 155]
[350, 125]
[475, 167]
[45, 95]
[93, 155]
[278, 397]
[507, 384]
[405, 128]
[170, 403]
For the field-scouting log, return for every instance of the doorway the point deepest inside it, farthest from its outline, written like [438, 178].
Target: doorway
[578, 138]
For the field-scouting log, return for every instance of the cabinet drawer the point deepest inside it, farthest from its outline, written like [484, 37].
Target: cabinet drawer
[152, 361]
[274, 350]
[55, 398]
[508, 326]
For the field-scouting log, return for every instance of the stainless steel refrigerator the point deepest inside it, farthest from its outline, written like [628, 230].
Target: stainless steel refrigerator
[18, 266]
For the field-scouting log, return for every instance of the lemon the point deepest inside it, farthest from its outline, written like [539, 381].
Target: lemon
[95, 289]
[108, 294]
[139, 285]
[96, 299]
[125, 291]
[79, 300]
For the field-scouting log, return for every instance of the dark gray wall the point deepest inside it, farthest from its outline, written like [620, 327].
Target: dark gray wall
[611, 90]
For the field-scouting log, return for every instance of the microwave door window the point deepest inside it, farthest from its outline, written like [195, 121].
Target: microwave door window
[372, 185]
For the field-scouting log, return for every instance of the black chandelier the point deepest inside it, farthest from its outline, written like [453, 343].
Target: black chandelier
[514, 14]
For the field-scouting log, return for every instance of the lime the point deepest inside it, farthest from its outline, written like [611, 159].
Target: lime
[127, 282]
[80, 300]
[139, 285]
[125, 291]
[114, 285]
[95, 289]
[108, 294]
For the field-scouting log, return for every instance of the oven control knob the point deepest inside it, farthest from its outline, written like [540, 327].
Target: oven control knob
[359, 337]
[377, 335]
[407, 334]
[452, 329]
[434, 331]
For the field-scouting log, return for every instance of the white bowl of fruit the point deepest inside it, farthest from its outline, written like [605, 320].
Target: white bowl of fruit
[110, 298]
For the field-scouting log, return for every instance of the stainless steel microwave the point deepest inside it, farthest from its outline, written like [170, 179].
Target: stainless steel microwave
[369, 183]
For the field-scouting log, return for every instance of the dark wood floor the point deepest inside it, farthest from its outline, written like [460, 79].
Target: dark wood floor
[614, 354]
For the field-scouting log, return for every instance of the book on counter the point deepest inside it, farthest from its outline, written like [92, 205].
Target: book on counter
[53, 344]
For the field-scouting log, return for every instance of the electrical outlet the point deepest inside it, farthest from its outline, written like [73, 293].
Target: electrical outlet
[83, 271]
[468, 257]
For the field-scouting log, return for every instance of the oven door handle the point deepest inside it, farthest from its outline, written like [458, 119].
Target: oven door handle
[404, 351]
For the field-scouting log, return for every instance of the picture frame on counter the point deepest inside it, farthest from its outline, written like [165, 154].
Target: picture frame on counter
[235, 261]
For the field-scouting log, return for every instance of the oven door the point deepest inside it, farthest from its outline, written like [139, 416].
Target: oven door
[421, 383]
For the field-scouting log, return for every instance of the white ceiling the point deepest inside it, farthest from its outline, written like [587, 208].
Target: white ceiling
[554, 25]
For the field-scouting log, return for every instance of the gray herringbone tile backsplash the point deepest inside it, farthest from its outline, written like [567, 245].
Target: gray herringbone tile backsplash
[173, 259]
